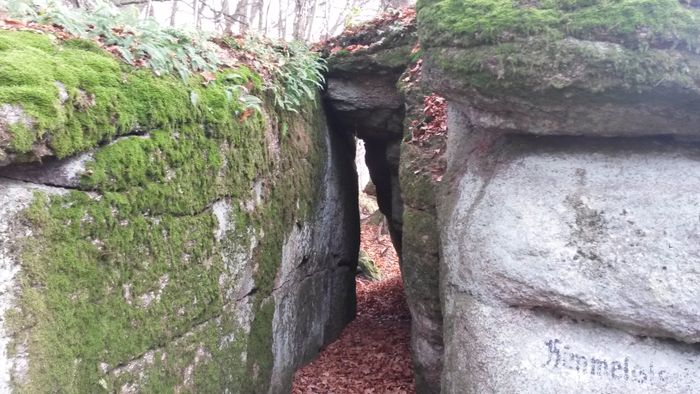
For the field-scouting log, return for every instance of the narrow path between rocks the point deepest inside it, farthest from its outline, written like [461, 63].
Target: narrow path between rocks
[372, 355]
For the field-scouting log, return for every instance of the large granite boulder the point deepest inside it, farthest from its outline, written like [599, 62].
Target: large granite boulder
[151, 241]
[568, 216]
[572, 264]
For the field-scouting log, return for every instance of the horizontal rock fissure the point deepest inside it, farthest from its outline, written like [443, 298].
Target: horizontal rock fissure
[192, 330]
[47, 184]
[306, 277]
[196, 327]
[597, 319]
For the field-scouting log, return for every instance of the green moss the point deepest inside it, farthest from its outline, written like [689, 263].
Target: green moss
[342, 53]
[85, 45]
[398, 57]
[291, 202]
[418, 188]
[259, 368]
[540, 65]
[108, 286]
[21, 138]
[633, 23]
[135, 266]
[368, 267]
[93, 275]
[104, 98]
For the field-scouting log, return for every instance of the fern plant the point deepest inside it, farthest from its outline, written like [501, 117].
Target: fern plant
[293, 72]
[139, 41]
[296, 73]
[301, 76]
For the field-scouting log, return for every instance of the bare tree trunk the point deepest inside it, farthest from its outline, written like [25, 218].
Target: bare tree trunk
[298, 19]
[387, 4]
[197, 11]
[326, 17]
[241, 16]
[282, 22]
[310, 20]
[343, 17]
[261, 20]
[332, 29]
[148, 11]
[228, 20]
[267, 18]
[173, 13]
[256, 11]
[77, 3]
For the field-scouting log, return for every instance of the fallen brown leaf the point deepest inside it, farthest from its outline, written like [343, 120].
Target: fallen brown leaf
[208, 77]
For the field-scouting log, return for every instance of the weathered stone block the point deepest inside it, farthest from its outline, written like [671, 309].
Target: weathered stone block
[500, 349]
[607, 229]
[158, 254]
[603, 231]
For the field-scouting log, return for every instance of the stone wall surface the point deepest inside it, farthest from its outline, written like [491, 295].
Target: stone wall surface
[567, 258]
[500, 349]
[420, 166]
[568, 215]
[154, 242]
[606, 229]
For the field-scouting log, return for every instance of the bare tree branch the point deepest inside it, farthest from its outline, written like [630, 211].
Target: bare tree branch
[234, 18]
[122, 3]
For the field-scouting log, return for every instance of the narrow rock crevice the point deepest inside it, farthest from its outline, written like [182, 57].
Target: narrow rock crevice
[370, 103]
[382, 161]
[367, 104]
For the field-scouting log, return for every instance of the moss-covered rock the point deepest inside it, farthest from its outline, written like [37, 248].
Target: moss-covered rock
[73, 95]
[536, 71]
[632, 23]
[420, 164]
[545, 67]
[157, 273]
[380, 60]
[367, 267]
[567, 67]
[590, 46]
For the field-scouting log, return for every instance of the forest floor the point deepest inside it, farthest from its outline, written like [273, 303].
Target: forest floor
[372, 354]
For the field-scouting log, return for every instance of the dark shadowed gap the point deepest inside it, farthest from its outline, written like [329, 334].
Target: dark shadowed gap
[372, 354]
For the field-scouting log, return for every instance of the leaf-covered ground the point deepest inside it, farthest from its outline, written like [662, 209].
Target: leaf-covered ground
[372, 354]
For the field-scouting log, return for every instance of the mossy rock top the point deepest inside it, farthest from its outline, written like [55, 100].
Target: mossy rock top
[632, 23]
[64, 97]
[560, 52]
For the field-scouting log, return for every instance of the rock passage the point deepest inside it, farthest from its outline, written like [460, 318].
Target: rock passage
[372, 354]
